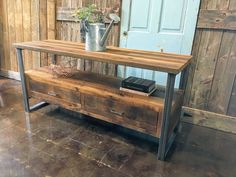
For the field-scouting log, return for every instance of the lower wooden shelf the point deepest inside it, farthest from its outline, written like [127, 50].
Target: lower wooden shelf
[99, 96]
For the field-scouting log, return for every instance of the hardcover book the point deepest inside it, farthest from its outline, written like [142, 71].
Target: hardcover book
[138, 84]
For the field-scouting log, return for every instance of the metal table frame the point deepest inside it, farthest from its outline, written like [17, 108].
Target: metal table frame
[165, 142]
[28, 108]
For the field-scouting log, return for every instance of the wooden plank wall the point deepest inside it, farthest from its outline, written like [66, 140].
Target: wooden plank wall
[211, 84]
[69, 30]
[25, 20]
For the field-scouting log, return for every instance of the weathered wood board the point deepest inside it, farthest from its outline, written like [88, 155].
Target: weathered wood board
[157, 61]
[68, 29]
[66, 14]
[211, 77]
[99, 96]
[217, 19]
[25, 20]
[209, 119]
[210, 85]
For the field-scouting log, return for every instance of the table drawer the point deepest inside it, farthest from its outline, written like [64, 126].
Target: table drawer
[123, 113]
[55, 91]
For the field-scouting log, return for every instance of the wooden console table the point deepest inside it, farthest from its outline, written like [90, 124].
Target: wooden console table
[99, 96]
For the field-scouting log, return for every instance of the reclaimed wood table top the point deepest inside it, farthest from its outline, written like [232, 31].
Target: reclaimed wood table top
[157, 61]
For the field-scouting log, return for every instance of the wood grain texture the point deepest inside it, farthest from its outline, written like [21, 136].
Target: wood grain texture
[51, 19]
[217, 19]
[209, 119]
[38, 23]
[192, 66]
[165, 62]
[66, 14]
[12, 35]
[56, 101]
[19, 21]
[204, 72]
[27, 32]
[43, 31]
[6, 54]
[99, 96]
[35, 26]
[112, 108]
[90, 83]
[55, 91]
[224, 75]
[207, 69]
[6, 63]
[212, 85]
[207, 57]
[123, 113]
[24, 20]
[66, 31]
[51, 27]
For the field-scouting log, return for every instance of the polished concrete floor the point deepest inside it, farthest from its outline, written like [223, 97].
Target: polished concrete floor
[52, 142]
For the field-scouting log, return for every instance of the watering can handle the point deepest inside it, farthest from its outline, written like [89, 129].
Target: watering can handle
[105, 35]
[114, 18]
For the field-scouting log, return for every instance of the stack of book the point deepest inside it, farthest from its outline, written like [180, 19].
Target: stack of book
[138, 86]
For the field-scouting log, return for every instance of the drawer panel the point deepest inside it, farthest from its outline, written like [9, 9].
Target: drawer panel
[142, 117]
[55, 91]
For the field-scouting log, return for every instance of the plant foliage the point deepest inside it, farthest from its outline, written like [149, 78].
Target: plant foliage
[91, 14]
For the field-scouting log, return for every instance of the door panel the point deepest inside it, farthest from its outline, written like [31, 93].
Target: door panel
[157, 25]
[140, 24]
[173, 16]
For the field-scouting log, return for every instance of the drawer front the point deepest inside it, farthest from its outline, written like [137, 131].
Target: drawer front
[54, 91]
[121, 112]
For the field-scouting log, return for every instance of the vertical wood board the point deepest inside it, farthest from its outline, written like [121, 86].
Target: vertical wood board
[12, 35]
[24, 20]
[207, 58]
[71, 31]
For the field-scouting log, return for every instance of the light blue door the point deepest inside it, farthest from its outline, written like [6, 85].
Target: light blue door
[157, 25]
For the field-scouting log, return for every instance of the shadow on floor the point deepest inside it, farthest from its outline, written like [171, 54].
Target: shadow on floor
[55, 142]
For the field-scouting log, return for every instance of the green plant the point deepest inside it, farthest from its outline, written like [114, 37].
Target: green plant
[91, 14]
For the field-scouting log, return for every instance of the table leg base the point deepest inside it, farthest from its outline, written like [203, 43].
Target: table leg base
[38, 106]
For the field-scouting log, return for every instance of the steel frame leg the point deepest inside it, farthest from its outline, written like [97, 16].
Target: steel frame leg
[183, 79]
[163, 141]
[182, 86]
[23, 84]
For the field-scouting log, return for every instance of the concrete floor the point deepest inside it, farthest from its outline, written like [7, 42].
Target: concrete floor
[50, 143]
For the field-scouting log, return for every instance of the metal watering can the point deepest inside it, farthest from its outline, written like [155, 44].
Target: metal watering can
[96, 34]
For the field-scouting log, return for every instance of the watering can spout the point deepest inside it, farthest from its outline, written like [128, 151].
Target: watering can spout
[114, 18]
